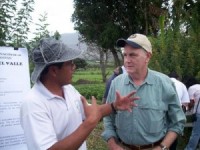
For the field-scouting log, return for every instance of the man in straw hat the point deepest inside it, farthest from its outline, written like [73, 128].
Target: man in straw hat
[158, 118]
[53, 115]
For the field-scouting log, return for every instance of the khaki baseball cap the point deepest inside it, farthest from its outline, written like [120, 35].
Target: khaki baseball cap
[136, 41]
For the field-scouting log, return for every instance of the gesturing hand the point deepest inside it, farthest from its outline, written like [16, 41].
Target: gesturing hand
[125, 102]
[92, 111]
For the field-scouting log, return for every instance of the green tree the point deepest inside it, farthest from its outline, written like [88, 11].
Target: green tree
[57, 35]
[176, 48]
[21, 24]
[41, 27]
[41, 31]
[80, 63]
[92, 29]
[103, 22]
[15, 20]
[8, 8]
[193, 34]
[174, 29]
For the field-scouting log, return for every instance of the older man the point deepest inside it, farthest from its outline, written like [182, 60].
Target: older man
[52, 115]
[158, 118]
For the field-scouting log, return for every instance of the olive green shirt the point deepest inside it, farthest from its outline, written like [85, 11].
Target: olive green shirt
[158, 110]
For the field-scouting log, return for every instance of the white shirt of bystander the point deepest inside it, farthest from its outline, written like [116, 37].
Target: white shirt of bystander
[181, 91]
[194, 94]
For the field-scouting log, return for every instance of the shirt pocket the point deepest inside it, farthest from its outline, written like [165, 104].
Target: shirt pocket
[151, 118]
[123, 121]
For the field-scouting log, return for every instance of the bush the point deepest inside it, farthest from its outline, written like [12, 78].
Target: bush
[80, 63]
[88, 90]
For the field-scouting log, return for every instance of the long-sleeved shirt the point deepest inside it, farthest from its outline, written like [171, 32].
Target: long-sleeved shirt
[158, 110]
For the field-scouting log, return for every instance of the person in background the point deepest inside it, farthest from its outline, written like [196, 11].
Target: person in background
[181, 90]
[182, 95]
[194, 95]
[54, 115]
[157, 119]
[189, 82]
[119, 70]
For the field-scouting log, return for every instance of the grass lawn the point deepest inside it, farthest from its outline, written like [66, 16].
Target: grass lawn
[95, 141]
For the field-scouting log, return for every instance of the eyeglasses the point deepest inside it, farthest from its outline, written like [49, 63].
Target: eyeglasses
[71, 62]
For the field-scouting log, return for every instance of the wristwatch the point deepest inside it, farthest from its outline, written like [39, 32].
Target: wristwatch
[163, 147]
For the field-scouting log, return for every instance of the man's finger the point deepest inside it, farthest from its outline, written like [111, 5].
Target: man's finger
[133, 104]
[94, 101]
[84, 101]
[117, 95]
[134, 98]
[129, 109]
[131, 94]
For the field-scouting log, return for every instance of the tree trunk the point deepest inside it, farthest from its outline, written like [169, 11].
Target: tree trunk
[116, 58]
[103, 65]
[145, 17]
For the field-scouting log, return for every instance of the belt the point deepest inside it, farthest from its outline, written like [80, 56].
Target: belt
[140, 147]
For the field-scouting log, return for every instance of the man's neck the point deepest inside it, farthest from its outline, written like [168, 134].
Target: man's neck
[53, 87]
[138, 78]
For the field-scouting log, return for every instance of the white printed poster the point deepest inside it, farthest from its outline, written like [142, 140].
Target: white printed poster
[14, 83]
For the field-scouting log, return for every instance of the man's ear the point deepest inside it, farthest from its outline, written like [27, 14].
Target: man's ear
[53, 70]
[148, 57]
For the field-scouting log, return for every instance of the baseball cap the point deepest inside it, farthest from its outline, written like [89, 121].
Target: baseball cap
[136, 41]
[51, 51]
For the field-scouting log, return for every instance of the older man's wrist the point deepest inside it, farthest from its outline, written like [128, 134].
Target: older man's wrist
[163, 146]
[113, 106]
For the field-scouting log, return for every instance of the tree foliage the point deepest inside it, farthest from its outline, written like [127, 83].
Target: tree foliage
[57, 35]
[174, 29]
[93, 18]
[41, 31]
[80, 63]
[103, 22]
[15, 20]
[177, 47]
[8, 7]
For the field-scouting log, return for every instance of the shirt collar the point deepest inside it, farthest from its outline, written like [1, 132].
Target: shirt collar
[42, 89]
[148, 80]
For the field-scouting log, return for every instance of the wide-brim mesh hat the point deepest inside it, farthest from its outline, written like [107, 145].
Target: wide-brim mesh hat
[136, 41]
[51, 51]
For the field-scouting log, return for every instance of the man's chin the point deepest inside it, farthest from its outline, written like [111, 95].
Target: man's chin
[129, 71]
